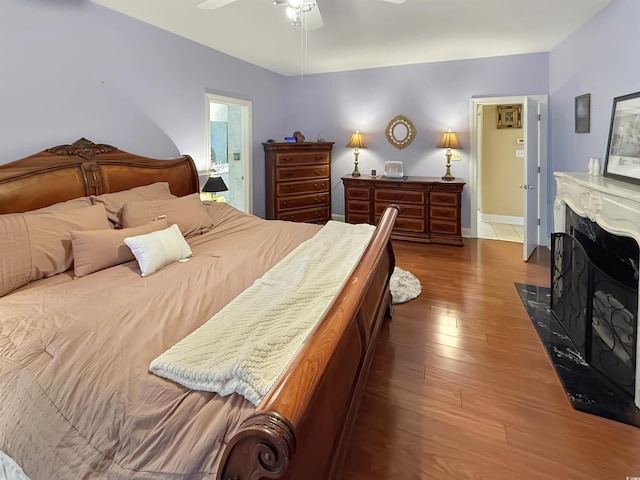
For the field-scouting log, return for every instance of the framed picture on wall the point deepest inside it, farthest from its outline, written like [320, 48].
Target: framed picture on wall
[623, 149]
[582, 110]
[509, 116]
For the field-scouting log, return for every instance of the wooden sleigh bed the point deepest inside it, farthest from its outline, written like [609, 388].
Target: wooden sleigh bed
[301, 428]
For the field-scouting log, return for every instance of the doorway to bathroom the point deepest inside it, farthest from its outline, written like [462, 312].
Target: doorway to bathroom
[228, 148]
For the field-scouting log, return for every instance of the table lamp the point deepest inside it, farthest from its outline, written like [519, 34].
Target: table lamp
[215, 185]
[356, 142]
[448, 141]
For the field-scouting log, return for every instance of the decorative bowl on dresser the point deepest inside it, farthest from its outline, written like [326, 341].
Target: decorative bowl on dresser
[298, 181]
[429, 207]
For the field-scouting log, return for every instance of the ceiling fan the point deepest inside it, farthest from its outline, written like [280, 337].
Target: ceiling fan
[295, 10]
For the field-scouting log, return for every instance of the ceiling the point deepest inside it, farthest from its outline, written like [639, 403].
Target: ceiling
[360, 34]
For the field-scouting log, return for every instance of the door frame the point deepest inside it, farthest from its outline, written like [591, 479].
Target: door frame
[246, 152]
[475, 159]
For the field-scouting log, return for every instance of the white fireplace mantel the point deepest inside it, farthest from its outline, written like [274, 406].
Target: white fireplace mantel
[612, 204]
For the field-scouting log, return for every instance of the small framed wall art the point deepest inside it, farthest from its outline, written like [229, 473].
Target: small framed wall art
[509, 116]
[583, 113]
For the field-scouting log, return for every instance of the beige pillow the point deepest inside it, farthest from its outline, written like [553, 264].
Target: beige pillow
[113, 202]
[15, 254]
[38, 245]
[187, 212]
[95, 250]
[68, 205]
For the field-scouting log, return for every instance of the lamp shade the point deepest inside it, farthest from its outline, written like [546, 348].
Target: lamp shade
[356, 141]
[214, 185]
[449, 140]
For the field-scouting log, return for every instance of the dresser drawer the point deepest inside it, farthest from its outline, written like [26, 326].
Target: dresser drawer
[320, 214]
[399, 196]
[304, 186]
[406, 211]
[301, 201]
[444, 198]
[358, 193]
[444, 213]
[412, 225]
[298, 173]
[357, 218]
[352, 182]
[355, 206]
[409, 225]
[302, 158]
[441, 226]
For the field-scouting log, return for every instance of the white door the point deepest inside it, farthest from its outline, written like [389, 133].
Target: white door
[530, 183]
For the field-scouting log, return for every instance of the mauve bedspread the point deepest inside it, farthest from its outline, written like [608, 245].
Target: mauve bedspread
[76, 397]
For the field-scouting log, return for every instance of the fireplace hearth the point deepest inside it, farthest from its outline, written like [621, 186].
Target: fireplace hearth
[586, 388]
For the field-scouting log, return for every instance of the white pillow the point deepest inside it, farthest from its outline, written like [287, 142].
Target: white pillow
[156, 249]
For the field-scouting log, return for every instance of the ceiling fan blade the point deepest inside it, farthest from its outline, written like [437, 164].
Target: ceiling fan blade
[213, 4]
[394, 1]
[314, 19]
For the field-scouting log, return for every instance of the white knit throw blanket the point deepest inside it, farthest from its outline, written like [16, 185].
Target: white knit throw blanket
[249, 343]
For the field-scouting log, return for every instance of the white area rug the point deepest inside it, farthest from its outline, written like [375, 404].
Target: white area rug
[404, 286]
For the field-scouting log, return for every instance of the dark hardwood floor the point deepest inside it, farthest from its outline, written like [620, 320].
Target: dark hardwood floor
[461, 387]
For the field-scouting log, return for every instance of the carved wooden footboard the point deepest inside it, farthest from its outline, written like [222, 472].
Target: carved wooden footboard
[301, 428]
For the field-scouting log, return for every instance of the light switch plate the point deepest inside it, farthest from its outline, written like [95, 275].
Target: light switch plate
[455, 156]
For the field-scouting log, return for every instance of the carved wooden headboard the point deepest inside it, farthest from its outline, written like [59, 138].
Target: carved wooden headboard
[85, 168]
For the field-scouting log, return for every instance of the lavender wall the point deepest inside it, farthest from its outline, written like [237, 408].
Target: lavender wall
[601, 58]
[435, 96]
[70, 68]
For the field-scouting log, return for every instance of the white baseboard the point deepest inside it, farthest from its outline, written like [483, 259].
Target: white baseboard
[487, 217]
[466, 232]
[337, 217]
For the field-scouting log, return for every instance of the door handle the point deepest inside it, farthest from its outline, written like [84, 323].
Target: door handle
[526, 187]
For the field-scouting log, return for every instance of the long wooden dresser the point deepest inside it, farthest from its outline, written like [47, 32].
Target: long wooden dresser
[430, 207]
[298, 181]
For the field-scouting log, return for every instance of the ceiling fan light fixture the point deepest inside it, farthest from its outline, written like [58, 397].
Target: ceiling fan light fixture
[292, 14]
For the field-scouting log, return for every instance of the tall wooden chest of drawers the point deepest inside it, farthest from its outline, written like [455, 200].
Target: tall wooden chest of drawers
[430, 207]
[298, 181]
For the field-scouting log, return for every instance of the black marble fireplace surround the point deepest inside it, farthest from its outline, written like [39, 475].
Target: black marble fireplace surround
[594, 296]
[587, 320]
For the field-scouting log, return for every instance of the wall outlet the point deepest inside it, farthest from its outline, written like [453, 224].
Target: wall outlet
[455, 156]
[520, 153]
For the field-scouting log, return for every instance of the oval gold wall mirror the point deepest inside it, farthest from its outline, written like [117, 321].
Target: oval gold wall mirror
[400, 131]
